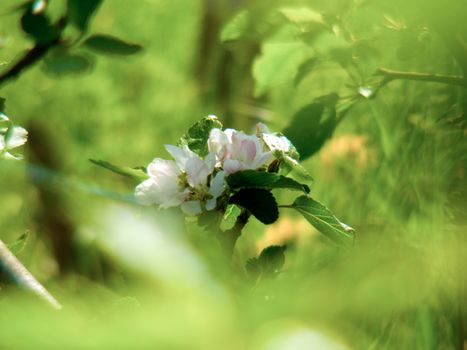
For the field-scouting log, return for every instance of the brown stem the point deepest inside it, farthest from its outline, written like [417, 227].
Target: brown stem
[33, 55]
[438, 78]
[13, 267]
[228, 238]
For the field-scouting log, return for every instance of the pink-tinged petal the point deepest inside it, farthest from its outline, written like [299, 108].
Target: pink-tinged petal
[262, 159]
[232, 166]
[197, 172]
[191, 208]
[248, 149]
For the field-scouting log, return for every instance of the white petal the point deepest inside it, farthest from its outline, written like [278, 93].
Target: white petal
[274, 142]
[163, 187]
[262, 129]
[197, 172]
[232, 166]
[217, 184]
[261, 160]
[146, 193]
[191, 208]
[211, 203]
[181, 155]
[19, 137]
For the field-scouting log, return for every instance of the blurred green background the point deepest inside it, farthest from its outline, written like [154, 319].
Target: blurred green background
[131, 277]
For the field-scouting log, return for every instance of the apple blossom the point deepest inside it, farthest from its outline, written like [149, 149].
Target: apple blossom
[182, 181]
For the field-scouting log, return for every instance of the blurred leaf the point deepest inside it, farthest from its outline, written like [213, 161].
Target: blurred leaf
[197, 135]
[259, 202]
[38, 27]
[81, 11]
[17, 246]
[62, 63]
[277, 64]
[236, 27]
[230, 217]
[330, 44]
[262, 179]
[301, 15]
[2, 105]
[289, 166]
[311, 127]
[304, 69]
[323, 220]
[110, 45]
[134, 174]
[269, 262]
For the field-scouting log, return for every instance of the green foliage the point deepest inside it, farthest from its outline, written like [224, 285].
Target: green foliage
[230, 217]
[267, 264]
[38, 26]
[278, 63]
[261, 179]
[17, 246]
[323, 220]
[259, 202]
[197, 136]
[80, 12]
[321, 121]
[136, 174]
[61, 62]
[106, 44]
[236, 27]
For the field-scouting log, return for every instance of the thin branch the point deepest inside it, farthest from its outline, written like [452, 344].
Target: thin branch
[13, 267]
[228, 238]
[33, 55]
[437, 78]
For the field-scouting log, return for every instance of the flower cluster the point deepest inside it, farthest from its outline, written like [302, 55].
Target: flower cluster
[11, 137]
[195, 182]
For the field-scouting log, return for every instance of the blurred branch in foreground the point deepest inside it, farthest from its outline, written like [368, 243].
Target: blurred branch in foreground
[22, 277]
[436, 78]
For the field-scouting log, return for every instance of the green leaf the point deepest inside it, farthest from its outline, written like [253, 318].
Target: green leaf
[62, 63]
[38, 27]
[278, 64]
[110, 45]
[261, 179]
[81, 11]
[289, 166]
[133, 173]
[304, 69]
[311, 127]
[259, 202]
[269, 262]
[301, 15]
[17, 246]
[197, 136]
[236, 27]
[323, 220]
[230, 217]
[2, 104]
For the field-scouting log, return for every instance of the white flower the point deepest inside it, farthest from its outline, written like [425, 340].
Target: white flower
[273, 141]
[18, 137]
[183, 181]
[235, 150]
[163, 186]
